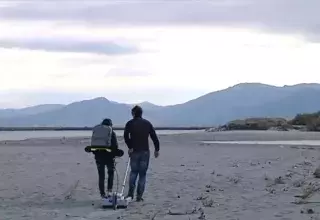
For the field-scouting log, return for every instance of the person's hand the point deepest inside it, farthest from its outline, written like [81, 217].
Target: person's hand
[156, 154]
[130, 151]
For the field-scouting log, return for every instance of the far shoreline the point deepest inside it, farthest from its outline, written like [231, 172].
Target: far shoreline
[89, 128]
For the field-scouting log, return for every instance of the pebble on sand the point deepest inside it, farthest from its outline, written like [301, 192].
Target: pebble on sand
[317, 173]
[308, 211]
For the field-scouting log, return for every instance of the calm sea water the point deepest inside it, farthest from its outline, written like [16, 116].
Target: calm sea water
[22, 135]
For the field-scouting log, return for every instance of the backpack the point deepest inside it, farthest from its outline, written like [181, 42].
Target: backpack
[101, 136]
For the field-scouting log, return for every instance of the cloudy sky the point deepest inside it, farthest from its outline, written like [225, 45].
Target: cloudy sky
[166, 52]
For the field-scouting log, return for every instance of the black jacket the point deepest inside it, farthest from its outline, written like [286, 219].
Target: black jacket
[136, 134]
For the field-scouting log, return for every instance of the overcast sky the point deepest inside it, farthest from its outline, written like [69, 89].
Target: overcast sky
[165, 52]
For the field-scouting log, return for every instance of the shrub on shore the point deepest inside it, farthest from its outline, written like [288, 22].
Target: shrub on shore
[310, 120]
[302, 122]
[258, 124]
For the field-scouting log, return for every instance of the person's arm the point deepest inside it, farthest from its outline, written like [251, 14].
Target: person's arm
[154, 138]
[126, 135]
[114, 141]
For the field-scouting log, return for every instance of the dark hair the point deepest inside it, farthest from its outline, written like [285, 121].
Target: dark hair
[137, 111]
[107, 122]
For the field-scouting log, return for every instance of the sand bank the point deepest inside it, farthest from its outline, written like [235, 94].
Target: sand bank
[56, 179]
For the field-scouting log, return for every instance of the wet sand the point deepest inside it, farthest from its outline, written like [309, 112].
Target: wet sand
[56, 179]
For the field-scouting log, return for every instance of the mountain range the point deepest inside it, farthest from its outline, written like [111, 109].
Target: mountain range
[239, 101]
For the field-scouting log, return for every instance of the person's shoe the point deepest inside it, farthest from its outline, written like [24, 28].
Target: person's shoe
[139, 199]
[104, 196]
[129, 197]
[109, 194]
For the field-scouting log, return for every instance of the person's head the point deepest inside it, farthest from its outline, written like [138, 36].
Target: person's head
[107, 122]
[136, 111]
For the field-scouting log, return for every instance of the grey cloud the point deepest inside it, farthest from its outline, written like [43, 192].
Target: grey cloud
[69, 45]
[297, 16]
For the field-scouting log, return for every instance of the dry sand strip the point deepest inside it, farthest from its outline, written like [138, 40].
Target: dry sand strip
[55, 179]
[279, 143]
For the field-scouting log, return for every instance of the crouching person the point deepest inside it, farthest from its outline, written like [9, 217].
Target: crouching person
[104, 136]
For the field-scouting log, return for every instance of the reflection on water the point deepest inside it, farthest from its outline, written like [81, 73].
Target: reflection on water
[291, 142]
[22, 135]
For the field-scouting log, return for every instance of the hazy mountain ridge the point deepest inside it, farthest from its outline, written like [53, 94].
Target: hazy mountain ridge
[239, 101]
[149, 106]
[11, 112]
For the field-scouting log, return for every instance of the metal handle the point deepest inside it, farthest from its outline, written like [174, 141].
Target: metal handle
[125, 177]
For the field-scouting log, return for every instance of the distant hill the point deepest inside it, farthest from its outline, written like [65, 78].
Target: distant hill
[240, 101]
[82, 113]
[244, 101]
[149, 106]
[146, 105]
[7, 113]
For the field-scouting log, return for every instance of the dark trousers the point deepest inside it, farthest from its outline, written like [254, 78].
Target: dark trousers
[139, 163]
[101, 164]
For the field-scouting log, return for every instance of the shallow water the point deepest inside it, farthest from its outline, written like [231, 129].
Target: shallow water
[291, 142]
[22, 135]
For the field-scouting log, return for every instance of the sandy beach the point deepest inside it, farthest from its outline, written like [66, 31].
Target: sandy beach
[54, 178]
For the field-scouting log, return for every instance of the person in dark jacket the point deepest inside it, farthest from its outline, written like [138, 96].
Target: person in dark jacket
[136, 134]
[103, 158]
